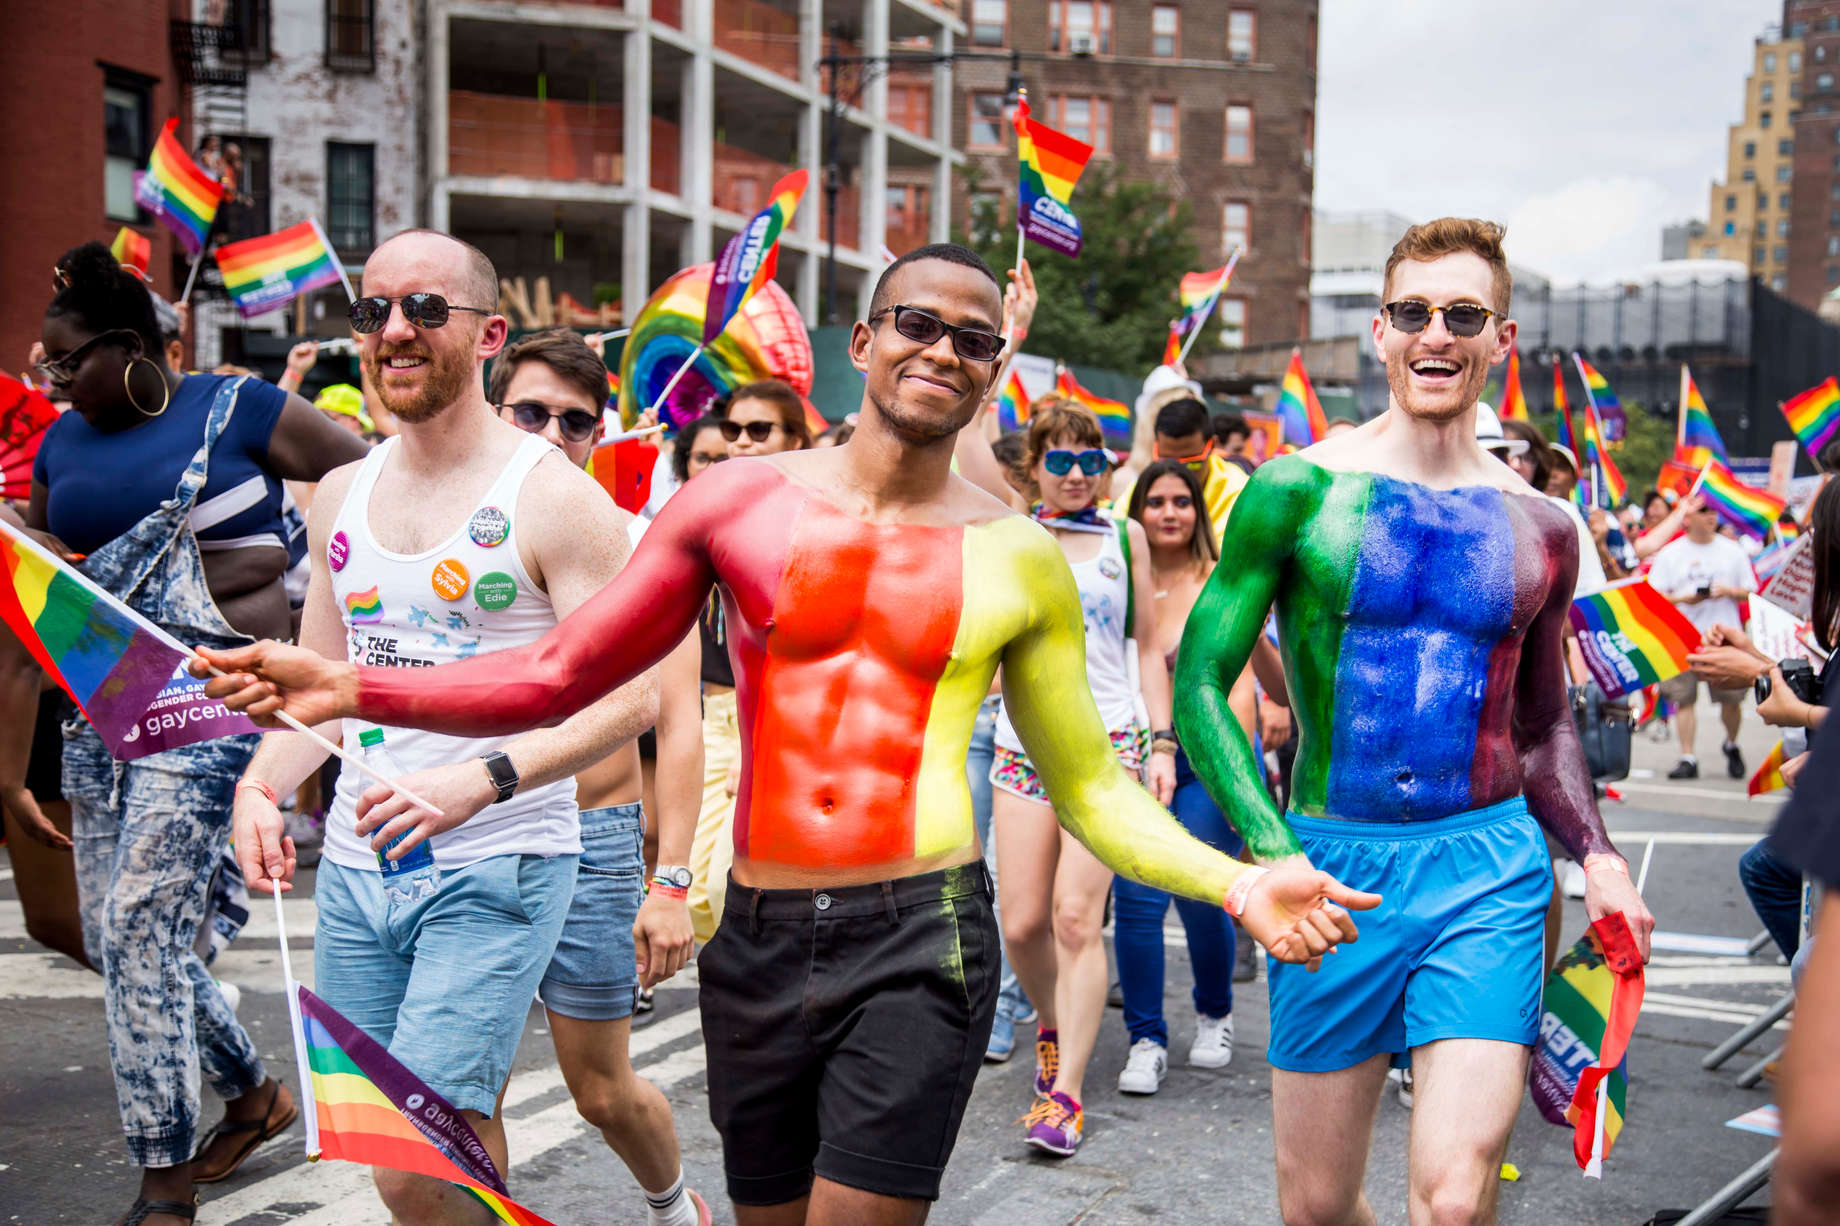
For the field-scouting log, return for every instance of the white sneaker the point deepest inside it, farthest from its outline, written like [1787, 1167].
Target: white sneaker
[233, 995]
[1573, 880]
[1402, 1077]
[1213, 1045]
[1144, 1068]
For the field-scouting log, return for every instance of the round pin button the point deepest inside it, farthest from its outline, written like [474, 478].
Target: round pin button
[338, 551]
[450, 579]
[488, 527]
[494, 591]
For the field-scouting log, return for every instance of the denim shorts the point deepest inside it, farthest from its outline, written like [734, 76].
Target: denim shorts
[595, 973]
[443, 981]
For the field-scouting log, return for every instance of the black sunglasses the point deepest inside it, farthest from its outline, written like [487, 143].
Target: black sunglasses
[576, 425]
[422, 310]
[972, 344]
[1411, 315]
[759, 431]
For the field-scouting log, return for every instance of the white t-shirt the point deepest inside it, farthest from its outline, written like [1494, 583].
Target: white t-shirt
[1684, 567]
[1591, 577]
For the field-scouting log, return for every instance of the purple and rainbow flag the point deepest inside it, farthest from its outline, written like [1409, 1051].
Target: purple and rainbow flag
[1814, 415]
[177, 191]
[271, 271]
[1632, 636]
[750, 259]
[126, 674]
[1697, 442]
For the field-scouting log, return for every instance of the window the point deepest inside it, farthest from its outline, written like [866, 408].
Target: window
[1163, 129]
[1782, 202]
[989, 22]
[1824, 81]
[1756, 257]
[1833, 220]
[1766, 91]
[1235, 226]
[1795, 90]
[1731, 228]
[1303, 244]
[986, 122]
[1833, 275]
[1731, 202]
[1309, 139]
[127, 140]
[1834, 191]
[1769, 61]
[1763, 229]
[1710, 251]
[1782, 230]
[249, 217]
[1781, 254]
[1239, 134]
[1763, 119]
[1750, 174]
[350, 25]
[1785, 147]
[1795, 61]
[350, 200]
[1833, 246]
[1085, 118]
[1165, 31]
[1080, 27]
[1779, 283]
[250, 20]
[1763, 202]
[1750, 148]
[1784, 173]
[1820, 54]
[1242, 34]
[1232, 313]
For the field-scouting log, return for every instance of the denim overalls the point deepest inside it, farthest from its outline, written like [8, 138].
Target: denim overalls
[148, 835]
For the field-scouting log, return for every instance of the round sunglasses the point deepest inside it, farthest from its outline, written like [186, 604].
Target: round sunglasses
[1411, 315]
[972, 344]
[1060, 461]
[423, 310]
[576, 425]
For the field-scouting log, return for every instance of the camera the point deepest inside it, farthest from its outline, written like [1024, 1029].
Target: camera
[1798, 675]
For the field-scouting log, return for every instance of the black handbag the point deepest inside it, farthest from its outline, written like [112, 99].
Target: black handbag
[1604, 729]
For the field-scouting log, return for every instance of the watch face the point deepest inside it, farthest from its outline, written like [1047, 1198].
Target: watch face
[680, 877]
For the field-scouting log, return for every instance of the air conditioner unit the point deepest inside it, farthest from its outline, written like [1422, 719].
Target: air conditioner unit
[1241, 56]
[1080, 44]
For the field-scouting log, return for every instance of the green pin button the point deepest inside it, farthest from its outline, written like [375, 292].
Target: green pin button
[494, 591]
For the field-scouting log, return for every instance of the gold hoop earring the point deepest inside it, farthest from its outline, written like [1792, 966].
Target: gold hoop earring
[128, 387]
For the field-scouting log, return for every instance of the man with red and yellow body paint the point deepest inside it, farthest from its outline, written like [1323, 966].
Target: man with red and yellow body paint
[870, 596]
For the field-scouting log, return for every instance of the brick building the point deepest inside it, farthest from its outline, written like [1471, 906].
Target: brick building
[1814, 232]
[93, 82]
[1214, 99]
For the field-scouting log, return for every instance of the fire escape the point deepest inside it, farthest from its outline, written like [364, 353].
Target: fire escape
[210, 60]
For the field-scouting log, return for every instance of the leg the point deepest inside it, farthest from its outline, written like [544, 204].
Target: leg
[1080, 887]
[1137, 934]
[1808, 1175]
[1467, 1092]
[836, 1204]
[417, 1199]
[1686, 723]
[1732, 715]
[1322, 1124]
[1775, 891]
[630, 1112]
[1211, 937]
[1028, 843]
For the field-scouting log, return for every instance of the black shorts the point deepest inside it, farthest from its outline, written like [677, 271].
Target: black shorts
[845, 1029]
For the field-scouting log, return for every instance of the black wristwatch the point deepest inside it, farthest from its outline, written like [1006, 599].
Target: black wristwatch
[504, 775]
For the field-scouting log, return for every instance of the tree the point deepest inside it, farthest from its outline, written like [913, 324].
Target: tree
[1648, 442]
[1112, 305]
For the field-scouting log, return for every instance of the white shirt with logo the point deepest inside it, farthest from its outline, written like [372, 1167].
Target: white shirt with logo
[1684, 567]
[466, 596]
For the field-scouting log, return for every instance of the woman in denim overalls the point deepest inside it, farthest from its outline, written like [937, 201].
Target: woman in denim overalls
[149, 833]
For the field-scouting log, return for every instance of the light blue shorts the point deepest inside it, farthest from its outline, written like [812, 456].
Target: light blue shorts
[1457, 950]
[444, 982]
[595, 972]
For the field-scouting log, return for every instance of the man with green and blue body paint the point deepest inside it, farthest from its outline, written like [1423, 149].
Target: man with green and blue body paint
[1422, 590]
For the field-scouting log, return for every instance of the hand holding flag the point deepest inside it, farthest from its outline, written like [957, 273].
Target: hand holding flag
[1051, 163]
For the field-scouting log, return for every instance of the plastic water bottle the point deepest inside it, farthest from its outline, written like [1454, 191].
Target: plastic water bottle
[421, 856]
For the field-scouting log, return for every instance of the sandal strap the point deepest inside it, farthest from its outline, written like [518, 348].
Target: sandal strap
[144, 1209]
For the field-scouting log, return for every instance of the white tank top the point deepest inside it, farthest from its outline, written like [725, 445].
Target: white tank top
[467, 596]
[1105, 588]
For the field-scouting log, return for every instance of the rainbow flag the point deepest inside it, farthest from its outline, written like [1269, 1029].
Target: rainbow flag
[1172, 347]
[1609, 487]
[1592, 1001]
[1051, 163]
[1814, 415]
[1697, 441]
[1769, 776]
[271, 271]
[1609, 408]
[1199, 291]
[132, 250]
[1297, 407]
[177, 191]
[1632, 636]
[364, 1106]
[1114, 415]
[1562, 412]
[126, 674]
[750, 259]
[1744, 507]
[1012, 404]
[1513, 401]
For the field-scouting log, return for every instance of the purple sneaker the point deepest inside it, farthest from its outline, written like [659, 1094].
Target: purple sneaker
[1055, 1125]
[1047, 1060]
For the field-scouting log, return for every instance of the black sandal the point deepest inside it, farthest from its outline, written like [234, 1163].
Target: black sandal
[259, 1130]
[142, 1209]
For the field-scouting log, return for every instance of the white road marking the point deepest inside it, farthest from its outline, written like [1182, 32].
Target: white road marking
[1704, 838]
[1678, 789]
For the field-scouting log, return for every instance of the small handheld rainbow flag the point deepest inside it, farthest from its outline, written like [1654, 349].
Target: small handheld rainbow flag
[364, 1106]
[1562, 412]
[1744, 507]
[265, 273]
[1513, 400]
[132, 250]
[126, 673]
[1697, 441]
[1580, 1070]
[1632, 636]
[1814, 415]
[1609, 408]
[1607, 484]
[1199, 291]
[175, 189]
[1172, 346]
[750, 259]
[1769, 776]
[1114, 415]
[1051, 163]
[1297, 407]
[1012, 404]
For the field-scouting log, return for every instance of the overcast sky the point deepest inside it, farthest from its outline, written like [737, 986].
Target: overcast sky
[1584, 126]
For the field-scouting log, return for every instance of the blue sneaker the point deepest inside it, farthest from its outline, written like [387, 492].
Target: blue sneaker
[1002, 1039]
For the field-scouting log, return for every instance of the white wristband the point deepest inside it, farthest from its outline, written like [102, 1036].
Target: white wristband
[1235, 902]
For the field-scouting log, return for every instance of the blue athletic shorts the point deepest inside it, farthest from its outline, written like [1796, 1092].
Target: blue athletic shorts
[594, 974]
[1457, 950]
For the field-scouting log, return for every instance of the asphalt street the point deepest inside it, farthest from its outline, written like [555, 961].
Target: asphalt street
[1198, 1151]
